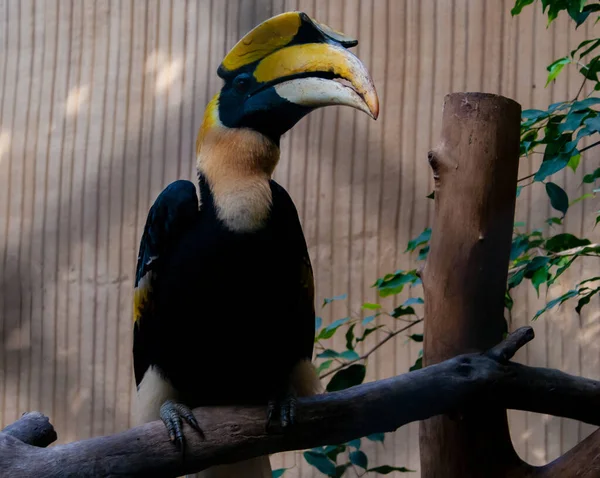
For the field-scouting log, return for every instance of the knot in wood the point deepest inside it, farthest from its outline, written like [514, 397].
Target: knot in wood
[434, 163]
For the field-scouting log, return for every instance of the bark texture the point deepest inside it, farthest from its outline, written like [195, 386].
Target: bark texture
[33, 428]
[233, 434]
[475, 168]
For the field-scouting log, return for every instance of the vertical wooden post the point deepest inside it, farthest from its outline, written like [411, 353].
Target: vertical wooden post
[475, 169]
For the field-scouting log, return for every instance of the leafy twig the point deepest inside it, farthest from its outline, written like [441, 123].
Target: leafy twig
[566, 252]
[390, 336]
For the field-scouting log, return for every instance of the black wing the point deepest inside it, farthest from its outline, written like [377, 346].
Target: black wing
[303, 294]
[173, 211]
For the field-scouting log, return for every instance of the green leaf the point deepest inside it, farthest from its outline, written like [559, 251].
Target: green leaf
[416, 337]
[329, 331]
[519, 189]
[278, 473]
[431, 195]
[573, 121]
[370, 306]
[534, 115]
[590, 178]
[423, 253]
[535, 264]
[346, 354]
[550, 167]
[421, 239]
[337, 323]
[585, 104]
[376, 437]
[393, 284]
[359, 458]
[368, 319]
[328, 353]
[354, 443]
[332, 451]
[324, 366]
[318, 323]
[564, 241]
[340, 470]
[592, 125]
[508, 300]
[555, 68]
[401, 311]
[417, 365]
[519, 224]
[563, 264]
[539, 277]
[386, 469]
[558, 197]
[519, 4]
[349, 355]
[558, 301]
[330, 300]
[516, 279]
[368, 332]
[413, 300]
[350, 337]
[583, 301]
[581, 198]
[347, 377]
[591, 279]
[320, 462]
[590, 71]
[554, 220]
[581, 17]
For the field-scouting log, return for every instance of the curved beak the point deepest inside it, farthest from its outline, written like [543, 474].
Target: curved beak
[319, 74]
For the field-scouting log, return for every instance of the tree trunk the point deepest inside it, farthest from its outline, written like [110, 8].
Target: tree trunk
[475, 168]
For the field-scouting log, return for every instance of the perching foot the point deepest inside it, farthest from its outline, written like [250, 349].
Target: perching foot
[171, 413]
[286, 409]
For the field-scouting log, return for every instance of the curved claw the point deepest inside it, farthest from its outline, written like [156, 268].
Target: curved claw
[171, 413]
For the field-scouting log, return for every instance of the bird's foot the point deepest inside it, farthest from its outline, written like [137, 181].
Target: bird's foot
[172, 413]
[285, 407]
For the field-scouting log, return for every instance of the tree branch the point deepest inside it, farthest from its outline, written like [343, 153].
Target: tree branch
[581, 461]
[32, 428]
[238, 433]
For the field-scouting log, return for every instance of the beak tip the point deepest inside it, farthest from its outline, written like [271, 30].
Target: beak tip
[374, 107]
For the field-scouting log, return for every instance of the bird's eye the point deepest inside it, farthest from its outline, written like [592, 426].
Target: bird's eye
[241, 83]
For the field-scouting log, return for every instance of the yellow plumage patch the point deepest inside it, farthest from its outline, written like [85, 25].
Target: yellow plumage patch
[141, 295]
[263, 40]
[211, 119]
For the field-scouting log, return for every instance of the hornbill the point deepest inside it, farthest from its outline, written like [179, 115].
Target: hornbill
[224, 308]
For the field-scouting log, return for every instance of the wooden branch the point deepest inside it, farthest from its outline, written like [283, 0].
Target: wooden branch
[581, 461]
[238, 433]
[32, 428]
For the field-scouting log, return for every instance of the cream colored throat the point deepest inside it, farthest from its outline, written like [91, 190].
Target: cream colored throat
[238, 164]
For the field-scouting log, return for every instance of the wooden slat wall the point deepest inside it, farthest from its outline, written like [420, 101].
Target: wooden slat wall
[100, 102]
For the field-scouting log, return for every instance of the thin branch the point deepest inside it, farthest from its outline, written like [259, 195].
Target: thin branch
[589, 146]
[233, 434]
[580, 88]
[524, 178]
[390, 336]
